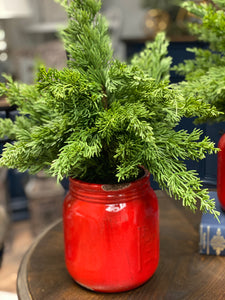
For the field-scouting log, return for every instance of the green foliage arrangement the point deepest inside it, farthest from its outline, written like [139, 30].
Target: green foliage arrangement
[205, 74]
[99, 119]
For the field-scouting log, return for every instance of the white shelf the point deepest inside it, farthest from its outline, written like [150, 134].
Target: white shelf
[48, 27]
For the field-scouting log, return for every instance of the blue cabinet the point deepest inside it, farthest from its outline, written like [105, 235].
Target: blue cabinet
[17, 200]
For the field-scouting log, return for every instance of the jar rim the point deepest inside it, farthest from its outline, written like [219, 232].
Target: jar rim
[112, 188]
[146, 173]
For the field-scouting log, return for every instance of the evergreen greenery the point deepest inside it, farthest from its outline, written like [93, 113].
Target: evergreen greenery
[205, 74]
[99, 119]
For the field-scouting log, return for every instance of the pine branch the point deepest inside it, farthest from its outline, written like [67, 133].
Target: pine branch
[212, 27]
[7, 129]
[86, 39]
[154, 58]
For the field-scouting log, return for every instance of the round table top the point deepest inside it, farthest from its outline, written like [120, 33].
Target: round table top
[182, 272]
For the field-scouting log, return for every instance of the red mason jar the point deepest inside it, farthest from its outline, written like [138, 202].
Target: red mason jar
[221, 172]
[111, 234]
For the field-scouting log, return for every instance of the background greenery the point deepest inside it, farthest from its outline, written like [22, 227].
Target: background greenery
[205, 75]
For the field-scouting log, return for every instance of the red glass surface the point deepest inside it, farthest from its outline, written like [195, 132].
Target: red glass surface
[111, 234]
[221, 172]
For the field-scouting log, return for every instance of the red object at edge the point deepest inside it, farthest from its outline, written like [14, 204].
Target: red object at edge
[111, 234]
[221, 172]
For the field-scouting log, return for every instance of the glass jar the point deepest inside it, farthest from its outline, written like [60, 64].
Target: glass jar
[111, 234]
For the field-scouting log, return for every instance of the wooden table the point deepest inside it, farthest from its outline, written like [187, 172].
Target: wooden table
[182, 274]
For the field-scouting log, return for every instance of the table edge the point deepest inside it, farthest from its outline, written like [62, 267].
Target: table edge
[22, 287]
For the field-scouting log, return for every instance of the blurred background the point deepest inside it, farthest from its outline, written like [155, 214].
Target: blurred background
[28, 33]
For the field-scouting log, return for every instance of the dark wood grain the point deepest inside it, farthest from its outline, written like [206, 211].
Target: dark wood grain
[182, 274]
